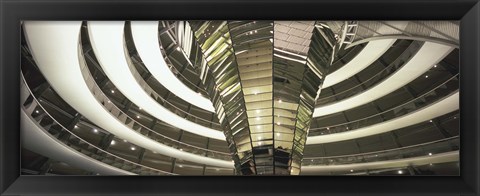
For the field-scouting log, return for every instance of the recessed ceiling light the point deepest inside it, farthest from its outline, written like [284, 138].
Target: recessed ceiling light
[138, 116]
[426, 76]
[258, 118]
[132, 148]
[430, 154]
[258, 111]
[178, 48]
[400, 172]
[139, 108]
[435, 66]
[279, 101]
[181, 149]
[113, 91]
[180, 165]
[124, 140]
[36, 111]
[112, 142]
[278, 123]
[109, 101]
[95, 130]
[431, 121]
[351, 170]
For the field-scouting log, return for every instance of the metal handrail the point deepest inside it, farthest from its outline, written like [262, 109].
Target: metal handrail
[388, 150]
[413, 150]
[73, 134]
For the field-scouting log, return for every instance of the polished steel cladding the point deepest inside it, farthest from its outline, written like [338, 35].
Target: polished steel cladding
[263, 78]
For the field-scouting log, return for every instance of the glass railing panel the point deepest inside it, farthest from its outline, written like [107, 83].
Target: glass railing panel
[425, 149]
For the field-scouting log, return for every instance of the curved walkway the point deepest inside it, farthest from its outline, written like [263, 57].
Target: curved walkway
[107, 41]
[429, 55]
[55, 48]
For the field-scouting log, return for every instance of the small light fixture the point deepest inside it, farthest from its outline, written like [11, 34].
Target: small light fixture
[132, 148]
[255, 93]
[426, 76]
[279, 101]
[258, 111]
[429, 154]
[430, 164]
[139, 108]
[400, 172]
[109, 101]
[278, 123]
[112, 142]
[328, 128]
[178, 48]
[138, 116]
[181, 149]
[435, 66]
[259, 138]
[258, 118]
[124, 140]
[278, 134]
[36, 111]
[351, 170]
[258, 126]
[430, 121]
[113, 91]
[95, 130]
[76, 127]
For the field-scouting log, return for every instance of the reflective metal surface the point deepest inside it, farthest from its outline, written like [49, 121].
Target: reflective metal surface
[265, 78]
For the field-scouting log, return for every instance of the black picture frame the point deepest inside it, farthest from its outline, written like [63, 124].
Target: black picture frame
[14, 11]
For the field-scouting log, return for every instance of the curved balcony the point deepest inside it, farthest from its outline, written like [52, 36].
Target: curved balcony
[396, 64]
[428, 56]
[108, 47]
[171, 49]
[133, 124]
[32, 107]
[443, 90]
[429, 148]
[142, 81]
[342, 60]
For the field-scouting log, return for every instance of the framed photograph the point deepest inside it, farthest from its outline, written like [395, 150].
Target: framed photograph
[240, 98]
